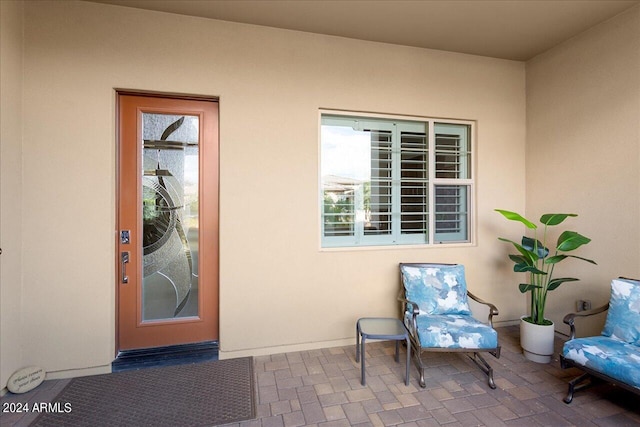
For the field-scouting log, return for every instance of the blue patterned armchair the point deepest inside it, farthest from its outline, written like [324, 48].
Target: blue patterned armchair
[613, 356]
[436, 311]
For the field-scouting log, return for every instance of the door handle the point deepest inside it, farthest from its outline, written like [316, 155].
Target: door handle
[124, 260]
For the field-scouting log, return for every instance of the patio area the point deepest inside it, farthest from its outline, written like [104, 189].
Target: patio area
[322, 387]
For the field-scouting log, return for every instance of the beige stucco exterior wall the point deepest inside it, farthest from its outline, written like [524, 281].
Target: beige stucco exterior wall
[11, 26]
[278, 290]
[583, 153]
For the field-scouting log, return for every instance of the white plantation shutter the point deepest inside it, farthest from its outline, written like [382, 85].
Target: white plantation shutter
[414, 181]
[379, 206]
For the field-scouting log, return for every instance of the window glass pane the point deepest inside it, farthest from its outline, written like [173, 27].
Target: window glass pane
[346, 164]
[452, 151]
[338, 210]
[451, 212]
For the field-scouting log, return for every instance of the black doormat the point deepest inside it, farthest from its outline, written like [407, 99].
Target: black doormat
[200, 394]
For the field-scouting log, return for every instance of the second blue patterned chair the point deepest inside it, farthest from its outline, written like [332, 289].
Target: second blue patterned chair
[435, 309]
[614, 355]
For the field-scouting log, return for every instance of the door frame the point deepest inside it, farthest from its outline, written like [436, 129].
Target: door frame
[212, 208]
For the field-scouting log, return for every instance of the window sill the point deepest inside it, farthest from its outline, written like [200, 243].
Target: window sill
[397, 247]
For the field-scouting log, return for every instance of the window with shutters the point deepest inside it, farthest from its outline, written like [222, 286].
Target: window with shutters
[395, 182]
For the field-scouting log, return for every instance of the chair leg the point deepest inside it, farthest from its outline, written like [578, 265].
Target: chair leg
[484, 367]
[575, 385]
[408, 362]
[423, 383]
[417, 355]
[421, 368]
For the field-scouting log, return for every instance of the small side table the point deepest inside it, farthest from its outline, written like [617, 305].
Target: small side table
[381, 328]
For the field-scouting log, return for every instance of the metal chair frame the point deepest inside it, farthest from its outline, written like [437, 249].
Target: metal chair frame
[472, 353]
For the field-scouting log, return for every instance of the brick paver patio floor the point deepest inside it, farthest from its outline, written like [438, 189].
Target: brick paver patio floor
[322, 388]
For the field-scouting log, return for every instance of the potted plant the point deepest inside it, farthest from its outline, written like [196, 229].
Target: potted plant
[535, 259]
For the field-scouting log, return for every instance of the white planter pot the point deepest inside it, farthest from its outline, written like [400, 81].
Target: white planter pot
[537, 341]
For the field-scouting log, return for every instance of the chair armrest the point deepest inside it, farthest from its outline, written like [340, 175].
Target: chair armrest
[416, 309]
[493, 310]
[570, 318]
[414, 313]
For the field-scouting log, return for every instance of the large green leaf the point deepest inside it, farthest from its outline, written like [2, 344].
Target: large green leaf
[517, 217]
[535, 246]
[570, 240]
[553, 284]
[518, 259]
[530, 256]
[555, 259]
[583, 259]
[554, 219]
[525, 268]
[526, 287]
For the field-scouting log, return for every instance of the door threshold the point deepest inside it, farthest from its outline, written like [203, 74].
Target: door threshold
[128, 360]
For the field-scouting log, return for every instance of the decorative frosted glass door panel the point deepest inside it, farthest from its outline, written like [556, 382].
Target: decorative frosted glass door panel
[170, 216]
[167, 221]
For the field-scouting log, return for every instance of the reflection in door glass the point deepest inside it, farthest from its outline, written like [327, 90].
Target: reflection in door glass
[170, 216]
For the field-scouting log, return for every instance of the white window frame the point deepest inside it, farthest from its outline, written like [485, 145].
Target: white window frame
[465, 237]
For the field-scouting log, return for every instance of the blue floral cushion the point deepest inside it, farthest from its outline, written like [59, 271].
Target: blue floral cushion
[623, 318]
[617, 359]
[436, 289]
[455, 331]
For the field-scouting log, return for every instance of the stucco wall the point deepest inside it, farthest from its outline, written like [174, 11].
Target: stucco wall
[278, 290]
[10, 187]
[583, 153]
